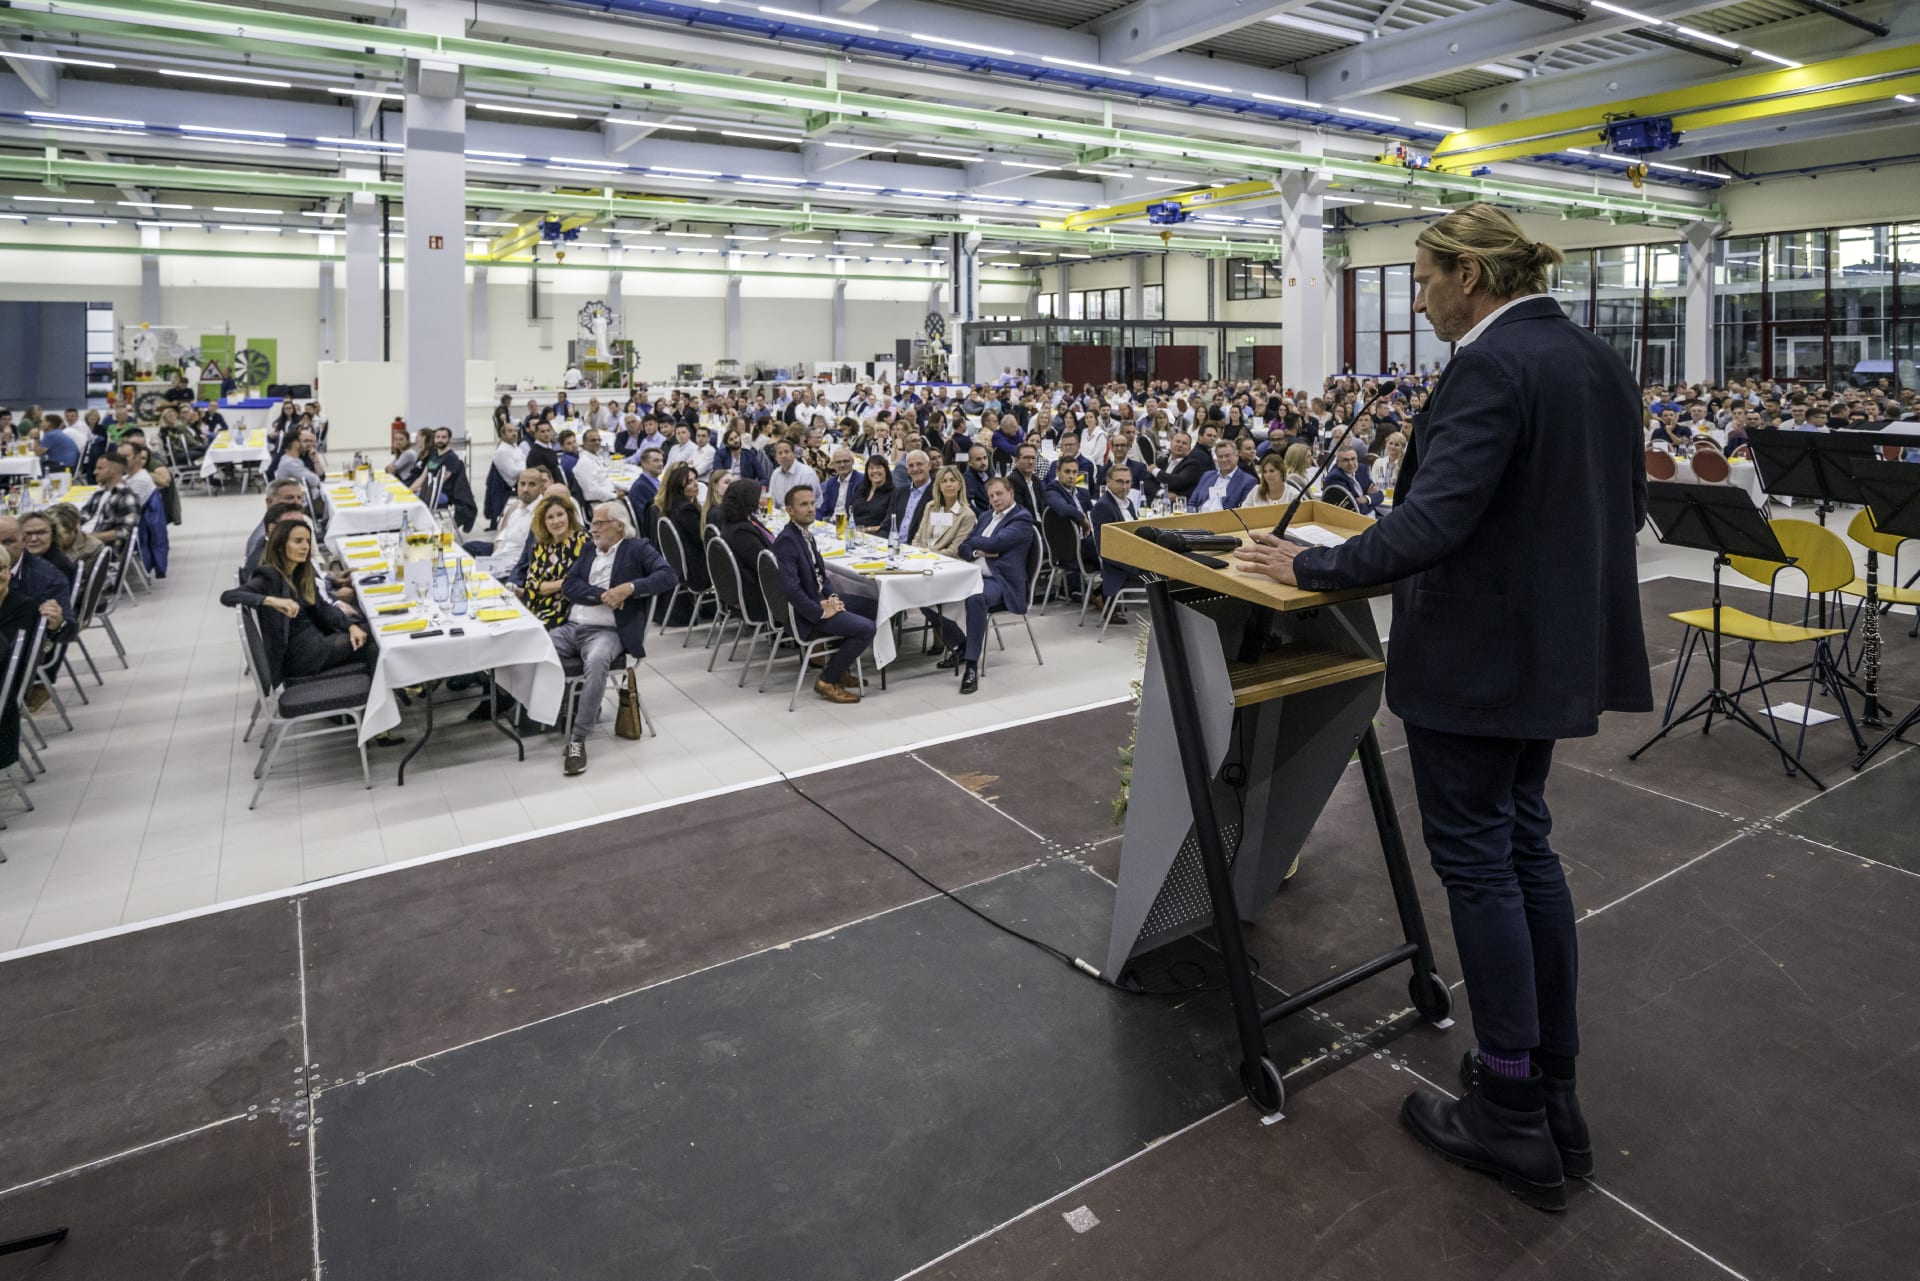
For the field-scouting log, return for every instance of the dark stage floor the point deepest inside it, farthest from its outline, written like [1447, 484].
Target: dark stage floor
[670, 1047]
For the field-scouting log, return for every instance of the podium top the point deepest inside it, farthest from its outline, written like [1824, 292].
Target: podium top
[1120, 541]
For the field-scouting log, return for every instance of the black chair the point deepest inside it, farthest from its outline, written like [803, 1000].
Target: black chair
[324, 701]
[1339, 496]
[11, 680]
[95, 578]
[724, 573]
[667, 539]
[1063, 550]
[1025, 618]
[30, 761]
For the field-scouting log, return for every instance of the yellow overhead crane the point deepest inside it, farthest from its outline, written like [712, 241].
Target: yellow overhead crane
[1837, 82]
[1202, 198]
[527, 234]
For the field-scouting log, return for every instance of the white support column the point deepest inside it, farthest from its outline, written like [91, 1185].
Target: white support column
[616, 282]
[839, 320]
[1136, 286]
[436, 177]
[479, 342]
[1696, 363]
[733, 343]
[1303, 295]
[327, 320]
[363, 327]
[149, 277]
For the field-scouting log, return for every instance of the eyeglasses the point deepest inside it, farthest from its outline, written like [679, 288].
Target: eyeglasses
[619, 524]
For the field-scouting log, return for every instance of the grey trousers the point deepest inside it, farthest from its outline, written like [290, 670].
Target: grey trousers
[600, 650]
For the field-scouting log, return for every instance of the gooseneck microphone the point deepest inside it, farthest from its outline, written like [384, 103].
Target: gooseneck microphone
[1286, 517]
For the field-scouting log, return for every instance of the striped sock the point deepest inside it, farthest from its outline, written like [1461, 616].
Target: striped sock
[1518, 1066]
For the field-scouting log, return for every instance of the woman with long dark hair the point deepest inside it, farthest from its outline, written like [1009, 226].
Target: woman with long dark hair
[305, 633]
[679, 503]
[874, 503]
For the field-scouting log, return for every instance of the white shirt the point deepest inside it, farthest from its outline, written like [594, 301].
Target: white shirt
[591, 471]
[1495, 314]
[516, 523]
[509, 461]
[600, 574]
[796, 473]
[142, 485]
[1215, 487]
[686, 452]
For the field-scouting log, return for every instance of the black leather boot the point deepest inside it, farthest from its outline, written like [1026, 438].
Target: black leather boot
[1500, 1126]
[970, 678]
[1564, 1122]
[952, 659]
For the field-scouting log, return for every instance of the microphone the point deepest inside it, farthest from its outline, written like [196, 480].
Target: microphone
[1188, 541]
[1286, 517]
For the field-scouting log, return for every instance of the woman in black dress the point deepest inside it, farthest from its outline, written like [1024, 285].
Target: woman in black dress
[874, 504]
[305, 633]
[679, 503]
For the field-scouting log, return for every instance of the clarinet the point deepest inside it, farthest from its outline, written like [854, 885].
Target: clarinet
[1870, 642]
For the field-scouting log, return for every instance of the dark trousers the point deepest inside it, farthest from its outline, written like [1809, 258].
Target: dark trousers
[974, 638]
[854, 626]
[1483, 811]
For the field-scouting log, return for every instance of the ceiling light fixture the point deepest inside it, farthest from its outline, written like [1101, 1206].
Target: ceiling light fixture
[526, 111]
[1021, 164]
[151, 223]
[1391, 204]
[225, 79]
[760, 137]
[57, 116]
[225, 132]
[498, 155]
[53, 57]
[1427, 124]
[1774, 57]
[243, 209]
[860, 146]
[1291, 102]
[361, 142]
[1625, 12]
[55, 200]
[1370, 115]
[1192, 84]
[706, 173]
[352, 92]
[146, 204]
[961, 44]
[590, 164]
[1085, 66]
[689, 235]
[773, 178]
[97, 222]
[1707, 36]
[947, 155]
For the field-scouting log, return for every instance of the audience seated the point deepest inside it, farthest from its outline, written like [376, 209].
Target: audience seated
[1347, 473]
[609, 586]
[1115, 503]
[1029, 487]
[443, 479]
[841, 486]
[1226, 486]
[820, 611]
[113, 512]
[789, 471]
[41, 537]
[873, 500]
[909, 505]
[304, 634]
[516, 524]
[746, 537]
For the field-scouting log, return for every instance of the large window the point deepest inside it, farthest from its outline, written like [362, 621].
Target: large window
[1251, 278]
[1047, 305]
[1814, 305]
[1153, 302]
[1385, 333]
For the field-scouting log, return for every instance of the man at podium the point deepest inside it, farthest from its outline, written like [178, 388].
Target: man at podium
[1516, 622]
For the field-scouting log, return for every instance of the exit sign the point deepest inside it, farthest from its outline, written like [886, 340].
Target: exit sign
[436, 242]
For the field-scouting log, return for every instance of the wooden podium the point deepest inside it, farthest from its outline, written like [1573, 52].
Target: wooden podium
[1255, 698]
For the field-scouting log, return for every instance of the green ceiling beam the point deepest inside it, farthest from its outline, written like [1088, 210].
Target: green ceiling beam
[55, 168]
[147, 19]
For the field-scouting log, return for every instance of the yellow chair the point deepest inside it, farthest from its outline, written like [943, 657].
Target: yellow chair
[1821, 556]
[1890, 592]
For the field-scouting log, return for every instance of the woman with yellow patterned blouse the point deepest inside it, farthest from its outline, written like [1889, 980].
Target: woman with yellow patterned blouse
[557, 542]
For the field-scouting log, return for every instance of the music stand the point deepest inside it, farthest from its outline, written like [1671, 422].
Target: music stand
[1808, 464]
[1892, 495]
[1724, 521]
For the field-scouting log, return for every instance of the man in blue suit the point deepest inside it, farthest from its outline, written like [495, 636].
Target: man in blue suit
[1350, 474]
[1226, 486]
[821, 612]
[609, 585]
[977, 475]
[840, 487]
[1067, 498]
[1070, 448]
[1116, 503]
[1001, 543]
[1516, 623]
[646, 487]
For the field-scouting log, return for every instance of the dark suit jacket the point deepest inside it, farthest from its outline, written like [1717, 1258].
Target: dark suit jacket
[746, 539]
[977, 492]
[1143, 478]
[1113, 575]
[1182, 476]
[802, 573]
[1072, 504]
[636, 561]
[910, 522]
[1027, 493]
[1009, 547]
[1239, 485]
[1516, 604]
[835, 495]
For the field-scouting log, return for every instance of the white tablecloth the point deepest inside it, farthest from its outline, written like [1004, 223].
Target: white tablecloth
[233, 453]
[1741, 475]
[387, 511]
[518, 651]
[951, 581]
[20, 465]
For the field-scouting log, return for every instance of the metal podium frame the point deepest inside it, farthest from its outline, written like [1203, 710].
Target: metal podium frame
[1269, 721]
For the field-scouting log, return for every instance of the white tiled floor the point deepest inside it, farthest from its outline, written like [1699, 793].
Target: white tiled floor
[144, 813]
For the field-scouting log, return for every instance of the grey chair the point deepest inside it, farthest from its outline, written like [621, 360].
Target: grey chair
[30, 762]
[994, 617]
[667, 538]
[330, 703]
[769, 624]
[12, 677]
[725, 575]
[576, 671]
[103, 602]
[95, 577]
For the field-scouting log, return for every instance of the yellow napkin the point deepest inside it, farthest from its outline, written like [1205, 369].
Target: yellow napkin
[488, 593]
[343, 502]
[497, 615]
[79, 494]
[411, 625]
[867, 566]
[361, 544]
[385, 589]
[221, 441]
[838, 551]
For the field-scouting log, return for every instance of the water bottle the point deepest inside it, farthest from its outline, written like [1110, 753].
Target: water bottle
[893, 538]
[441, 589]
[460, 589]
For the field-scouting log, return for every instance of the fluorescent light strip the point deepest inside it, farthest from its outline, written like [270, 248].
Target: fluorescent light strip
[1343, 200]
[926, 191]
[598, 173]
[477, 222]
[650, 124]
[352, 92]
[1192, 84]
[818, 17]
[253, 142]
[1428, 124]
[243, 209]
[893, 245]
[1391, 204]
[852, 186]
[498, 155]
[1291, 102]
[734, 235]
[96, 222]
[51, 57]
[857, 146]
[689, 235]
[1770, 57]
[361, 142]
[1898, 97]
[225, 79]
[526, 111]
[1370, 115]
[774, 178]
[319, 213]
[225, 132]
[496, 164]
[57, 116]
[1707, 36]
[945, 155]
[1434, 209]
[245, 226]
[1064, 254]
[54, 200]
[760, 137]
[145, 204]
[961, 44]
[705, 173]
[194, 226]
[1085, 66]
[1106, 173]
[1021, 164]
[1625, 12]
[588, 164]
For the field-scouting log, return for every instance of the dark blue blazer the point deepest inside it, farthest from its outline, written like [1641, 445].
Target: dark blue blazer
[1113, 575]
[977, 492]
[910, 522]
[1143, 478]
[1360, 485]
[1086, 468]
[1239, 485]
[835, 493]
[803, 574]
[1010, 546]
[754, 465]
[640, 496]
[636, 561]
[1510, 547]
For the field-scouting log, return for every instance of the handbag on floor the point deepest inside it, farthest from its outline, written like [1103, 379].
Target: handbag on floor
[626, 722]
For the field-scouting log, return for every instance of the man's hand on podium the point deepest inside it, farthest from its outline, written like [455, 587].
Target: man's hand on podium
[1270, 557]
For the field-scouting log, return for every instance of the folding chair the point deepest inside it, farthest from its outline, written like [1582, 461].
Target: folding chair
[108, 599]
[1063, 550]
[324, 702]
[576, 671]
[30, 761]
[87, 596]
[1024, 616]
[11, 680]
[778, 603]
[667, 538]
[725, 575]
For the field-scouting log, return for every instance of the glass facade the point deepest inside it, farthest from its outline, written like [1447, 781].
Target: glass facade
[1814, 306]
[1134, 347]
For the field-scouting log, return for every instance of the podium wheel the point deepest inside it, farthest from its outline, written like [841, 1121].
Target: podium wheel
[1431, 996]
[1265, 1090]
